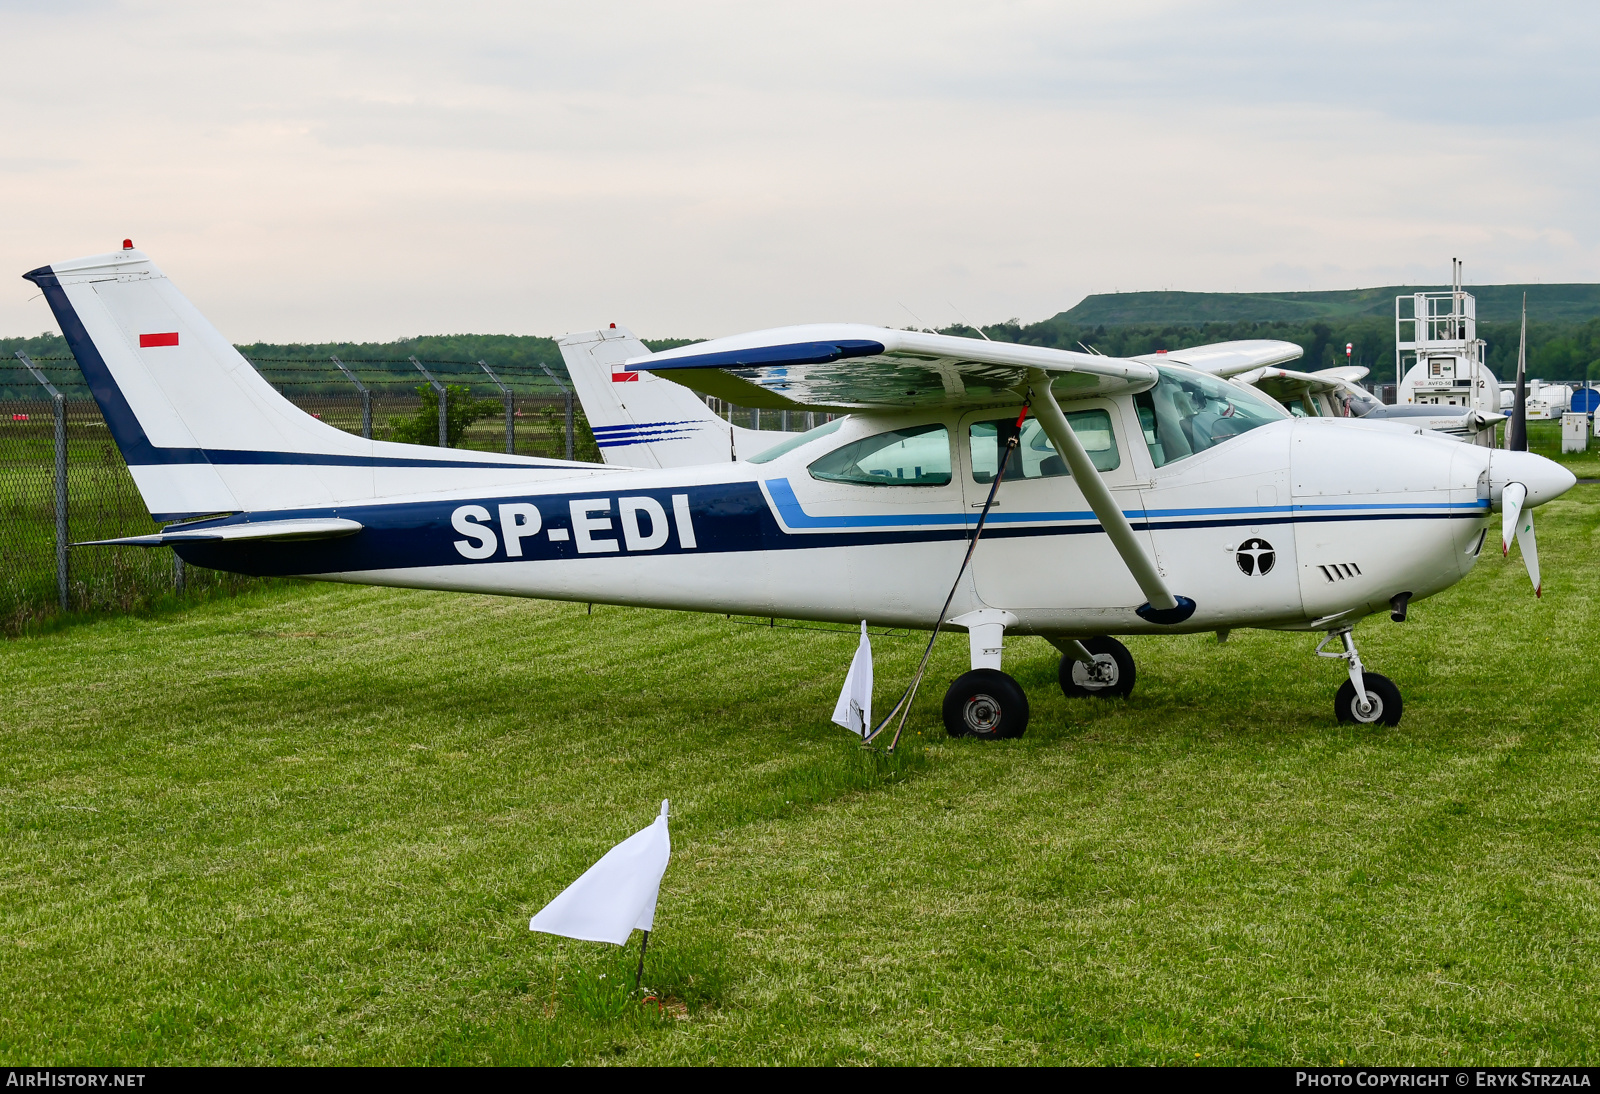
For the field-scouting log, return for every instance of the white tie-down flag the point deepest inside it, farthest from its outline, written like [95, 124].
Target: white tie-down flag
[854, 710]
[616, 894]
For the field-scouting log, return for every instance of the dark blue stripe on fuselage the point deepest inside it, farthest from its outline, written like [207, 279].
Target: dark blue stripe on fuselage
[726, 517]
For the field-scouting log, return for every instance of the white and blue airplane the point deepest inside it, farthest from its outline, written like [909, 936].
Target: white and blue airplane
[1139, 497]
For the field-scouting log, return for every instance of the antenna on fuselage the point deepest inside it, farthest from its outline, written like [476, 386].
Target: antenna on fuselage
[920, 324]
[964, 320]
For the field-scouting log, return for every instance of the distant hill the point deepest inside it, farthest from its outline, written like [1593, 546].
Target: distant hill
[1496, 303]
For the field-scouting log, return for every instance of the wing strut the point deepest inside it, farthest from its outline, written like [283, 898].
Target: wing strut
[1163, 607]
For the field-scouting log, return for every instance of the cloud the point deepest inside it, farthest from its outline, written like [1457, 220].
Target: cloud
[373, 171]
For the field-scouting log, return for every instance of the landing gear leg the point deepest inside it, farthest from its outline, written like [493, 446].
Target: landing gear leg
[1366, 698]
[985, 702]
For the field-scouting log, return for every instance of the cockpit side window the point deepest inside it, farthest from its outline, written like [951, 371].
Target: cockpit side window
[1035, 457]
[1188, 412]
[917, 455]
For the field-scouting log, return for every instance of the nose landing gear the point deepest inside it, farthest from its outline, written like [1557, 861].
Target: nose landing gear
[1366, 698]
[1107, 673]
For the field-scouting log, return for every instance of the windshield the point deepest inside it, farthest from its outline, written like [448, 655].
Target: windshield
[1188, 412]
[796, 441]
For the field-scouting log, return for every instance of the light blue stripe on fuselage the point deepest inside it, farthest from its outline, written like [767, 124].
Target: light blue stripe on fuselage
[794, 516]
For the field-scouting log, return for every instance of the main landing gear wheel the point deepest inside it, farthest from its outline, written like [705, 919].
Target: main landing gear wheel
[1110, 677]
[985, 703]
[1382, 696]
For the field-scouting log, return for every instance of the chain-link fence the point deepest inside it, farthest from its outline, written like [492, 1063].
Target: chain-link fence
[516, 409]
[63, 480]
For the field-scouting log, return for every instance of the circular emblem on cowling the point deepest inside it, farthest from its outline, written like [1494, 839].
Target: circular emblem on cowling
[1255, 557]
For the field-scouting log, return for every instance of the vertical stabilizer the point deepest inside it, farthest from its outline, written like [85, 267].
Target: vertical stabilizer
[200, 429]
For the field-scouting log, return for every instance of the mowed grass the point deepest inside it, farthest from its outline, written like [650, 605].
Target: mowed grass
[1545, 439]
[309, 825]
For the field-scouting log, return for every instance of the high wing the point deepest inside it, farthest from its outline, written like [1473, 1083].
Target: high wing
[1352, 373]
[1274, 380]
[1229, 358]
[842, 367]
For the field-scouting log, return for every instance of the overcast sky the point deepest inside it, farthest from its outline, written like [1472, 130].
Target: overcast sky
[338, 170]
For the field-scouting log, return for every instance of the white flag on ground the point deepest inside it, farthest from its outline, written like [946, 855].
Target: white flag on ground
[854, 711]
[616, 894]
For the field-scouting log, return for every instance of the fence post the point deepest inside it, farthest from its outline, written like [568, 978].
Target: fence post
[366, 398]
[566, 397]
[444, 398]
[60, 403]
[505, 393]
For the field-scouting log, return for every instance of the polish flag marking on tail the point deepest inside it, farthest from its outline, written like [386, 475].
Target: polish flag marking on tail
[148, 340]
[620, 375]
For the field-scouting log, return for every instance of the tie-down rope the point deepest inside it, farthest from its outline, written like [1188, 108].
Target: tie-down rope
[903, 707]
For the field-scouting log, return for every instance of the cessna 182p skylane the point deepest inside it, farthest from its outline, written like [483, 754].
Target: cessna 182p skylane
[1166, 500]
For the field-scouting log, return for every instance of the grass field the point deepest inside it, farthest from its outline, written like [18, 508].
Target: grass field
[309, 825]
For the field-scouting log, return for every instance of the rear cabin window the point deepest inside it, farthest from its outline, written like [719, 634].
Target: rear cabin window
[918, 455]
[1035, 457]
[1188, 412]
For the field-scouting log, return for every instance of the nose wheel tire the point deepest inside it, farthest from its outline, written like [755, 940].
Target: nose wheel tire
[1383, 699]
[985, 703]
[1110, 677]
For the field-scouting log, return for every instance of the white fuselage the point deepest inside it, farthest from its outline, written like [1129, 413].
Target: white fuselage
[1285, 526]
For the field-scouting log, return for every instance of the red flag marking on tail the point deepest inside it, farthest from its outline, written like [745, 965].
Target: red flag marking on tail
[148, 340]
[623, 377]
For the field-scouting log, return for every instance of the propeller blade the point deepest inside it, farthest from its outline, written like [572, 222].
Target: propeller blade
[1511, 499]
[1530, 551]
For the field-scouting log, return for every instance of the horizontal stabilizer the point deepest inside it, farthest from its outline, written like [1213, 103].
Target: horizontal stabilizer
[281, 531]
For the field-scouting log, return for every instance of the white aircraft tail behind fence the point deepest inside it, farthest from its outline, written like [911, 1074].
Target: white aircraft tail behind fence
[642, 420]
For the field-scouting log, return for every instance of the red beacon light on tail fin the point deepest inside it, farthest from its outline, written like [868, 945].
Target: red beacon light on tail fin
[127, 245]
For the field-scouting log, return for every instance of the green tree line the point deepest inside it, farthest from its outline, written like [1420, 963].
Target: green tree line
[1556, 351]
